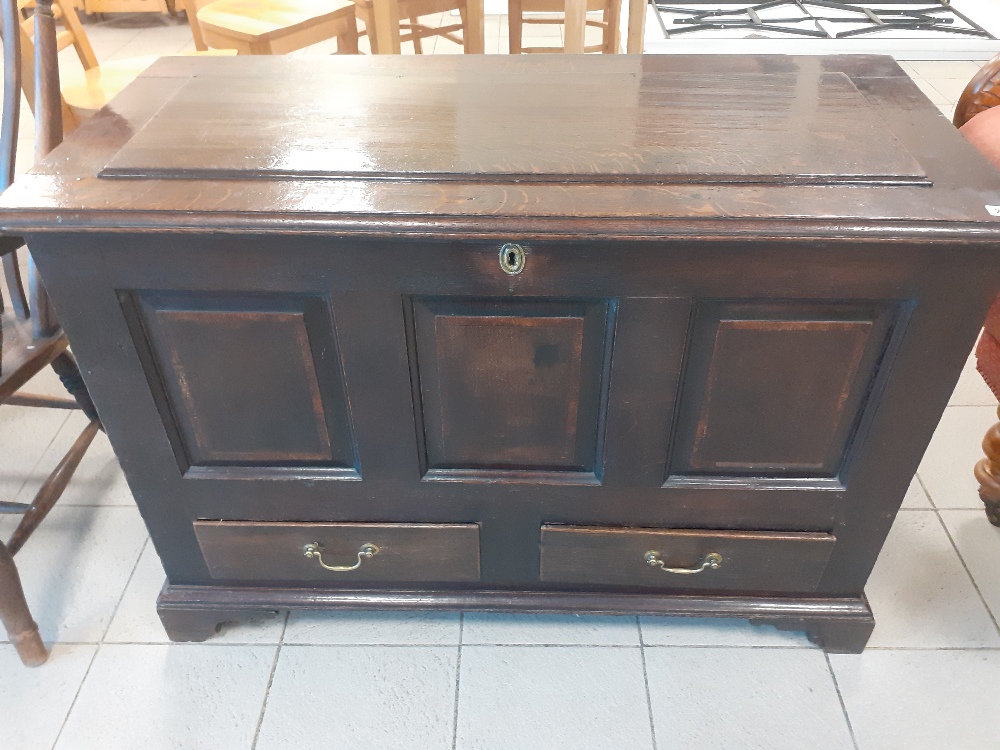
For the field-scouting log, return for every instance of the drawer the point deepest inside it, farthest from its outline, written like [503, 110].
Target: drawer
[245, 550]
[746, 560]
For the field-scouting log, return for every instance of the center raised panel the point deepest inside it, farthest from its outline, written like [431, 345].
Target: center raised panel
[516, 387]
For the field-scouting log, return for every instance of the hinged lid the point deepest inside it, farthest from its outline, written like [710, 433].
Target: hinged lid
[608, 125]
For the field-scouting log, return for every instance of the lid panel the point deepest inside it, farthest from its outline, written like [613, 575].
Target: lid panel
[466, 124]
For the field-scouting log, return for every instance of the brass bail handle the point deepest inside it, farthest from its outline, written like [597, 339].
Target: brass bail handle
[711, 561]
[364, 551]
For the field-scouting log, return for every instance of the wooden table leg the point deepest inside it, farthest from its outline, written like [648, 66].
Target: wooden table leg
[21, 629]
[576, 26]
[988, 473]
[636, 26]
[386, 14]
[474, 34]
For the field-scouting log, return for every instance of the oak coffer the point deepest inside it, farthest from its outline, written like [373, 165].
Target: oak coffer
[615, 334]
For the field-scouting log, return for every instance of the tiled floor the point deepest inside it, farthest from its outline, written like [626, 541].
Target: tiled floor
[929, 679]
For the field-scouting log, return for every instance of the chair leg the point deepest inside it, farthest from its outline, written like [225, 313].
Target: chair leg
[386, 14]
[576, 26]
[347, 40]
[21, 629]
[53, 487]
[988, 474]
[515, 23]
[418, 45]
[474, 31]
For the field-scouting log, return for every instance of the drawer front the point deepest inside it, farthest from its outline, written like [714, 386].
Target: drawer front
[340, 553]
[667, 558]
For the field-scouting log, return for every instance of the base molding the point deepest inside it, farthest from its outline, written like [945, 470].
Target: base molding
[838, 624]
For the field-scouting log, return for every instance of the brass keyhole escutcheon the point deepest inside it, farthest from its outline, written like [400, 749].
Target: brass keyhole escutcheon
[512, 259]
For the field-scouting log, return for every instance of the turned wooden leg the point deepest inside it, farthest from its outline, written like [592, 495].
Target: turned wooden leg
[21, 629]
[988, 473]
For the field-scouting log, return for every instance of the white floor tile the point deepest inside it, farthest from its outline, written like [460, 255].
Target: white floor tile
[931, 93]
[552, 698]
[25, 433]
[698, 631]
[916, 498]
[972, 389]
[921, 700]
[361, 697]
[136, 620]
[950, 88]
[920, 593]
[170, 697]
[744, 698]
[978, 542]
[489, 628]
[372, 628]
[946, 469]
[964, 69]
[75, 566]
[98, 479]
[41, 697]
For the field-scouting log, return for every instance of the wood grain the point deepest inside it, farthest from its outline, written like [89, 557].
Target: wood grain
[274, 551]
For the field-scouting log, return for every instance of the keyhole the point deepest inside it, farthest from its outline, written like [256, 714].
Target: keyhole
[511, 259]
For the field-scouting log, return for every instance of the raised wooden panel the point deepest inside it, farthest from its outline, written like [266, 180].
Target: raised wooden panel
[249, 381]
[776, 389]
[770, 561]
[510, 386]
[247, 550]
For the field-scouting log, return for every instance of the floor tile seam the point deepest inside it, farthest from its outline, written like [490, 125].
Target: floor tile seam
[76, 695]
[649, 699]
[121, 596]
[458, 682]
[41, 455]
[968, 572]
[930, 498]
[840, 697]
[270, 682]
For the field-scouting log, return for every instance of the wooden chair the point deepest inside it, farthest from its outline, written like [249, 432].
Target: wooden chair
[382, 19]
[271, 27]
[575, 20]
[30, 336]
[82, 92]
[979, 122]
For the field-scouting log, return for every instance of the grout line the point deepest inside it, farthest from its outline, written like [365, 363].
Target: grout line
[840, 697]
[458, 681]
[645, 680]
[76, 695]
[270, 681]
[923, 486]
[968, 572]
[31, 472]
[118, 604]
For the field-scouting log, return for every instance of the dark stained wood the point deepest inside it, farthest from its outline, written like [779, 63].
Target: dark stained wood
[777, 389]
[792, 321]
[249, 381]
[15, 616]
[840, 625]
[510, 386]
[751, 560]
[275, 551]
[457, 126]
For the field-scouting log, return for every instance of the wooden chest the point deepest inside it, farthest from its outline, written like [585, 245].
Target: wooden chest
[616, 334]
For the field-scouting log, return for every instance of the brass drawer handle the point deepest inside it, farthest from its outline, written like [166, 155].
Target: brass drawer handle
[710, 561]
[365, 550]
[512, 259]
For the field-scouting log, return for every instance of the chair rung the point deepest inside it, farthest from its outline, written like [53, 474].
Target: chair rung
[17, 508]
